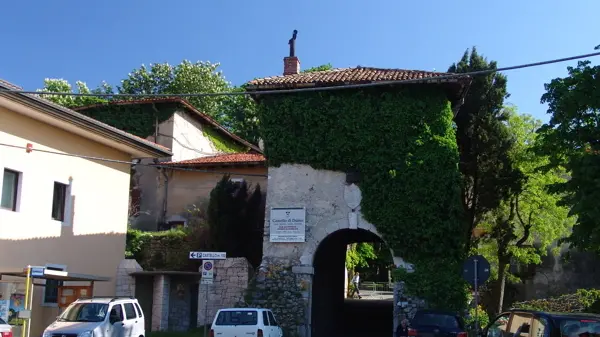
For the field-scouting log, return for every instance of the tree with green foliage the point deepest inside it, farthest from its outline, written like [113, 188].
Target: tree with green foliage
[374, 259]
[530, 221]
[240, 116]
[235, 112]
[571, 139]
[62, 85]
[236, 220]
[483, 141]
[359, 255]
[159, 78]
[184, 78]
[323, 67]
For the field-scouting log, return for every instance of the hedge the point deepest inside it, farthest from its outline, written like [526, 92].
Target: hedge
[583, 300]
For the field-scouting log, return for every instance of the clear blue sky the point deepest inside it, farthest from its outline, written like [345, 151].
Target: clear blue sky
[104, 40]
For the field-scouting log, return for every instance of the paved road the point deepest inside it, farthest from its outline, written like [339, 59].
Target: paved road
[367, 318]
[376, 295]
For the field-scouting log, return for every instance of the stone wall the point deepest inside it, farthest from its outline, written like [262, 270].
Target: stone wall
[331, 205]
[180, 303]
[557, 275]
[160, 303]
[404, 305]
[231, 280]
[283, 289]
[125, 283]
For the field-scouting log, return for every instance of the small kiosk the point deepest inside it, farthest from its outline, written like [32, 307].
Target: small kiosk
[67, 294]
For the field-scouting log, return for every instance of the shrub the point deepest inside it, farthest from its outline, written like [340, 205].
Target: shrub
[583, 300]
[482, 318]
[164, 250]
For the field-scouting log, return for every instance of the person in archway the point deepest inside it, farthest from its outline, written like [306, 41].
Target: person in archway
[355, 282]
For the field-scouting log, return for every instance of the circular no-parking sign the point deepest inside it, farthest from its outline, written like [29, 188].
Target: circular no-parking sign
[208, 266]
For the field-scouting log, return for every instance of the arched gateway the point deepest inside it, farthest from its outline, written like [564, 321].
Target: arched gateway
[312, 202]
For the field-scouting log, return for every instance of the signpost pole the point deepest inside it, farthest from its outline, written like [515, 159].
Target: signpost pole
[476, 271]
[206, 312]
[476, 296]
[27, 297]
[208, 268]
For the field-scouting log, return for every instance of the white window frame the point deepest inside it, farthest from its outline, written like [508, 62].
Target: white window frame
[237, 180]
[62, 267]
[19, 188]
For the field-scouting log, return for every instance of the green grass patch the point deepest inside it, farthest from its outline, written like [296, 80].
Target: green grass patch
[196, 332]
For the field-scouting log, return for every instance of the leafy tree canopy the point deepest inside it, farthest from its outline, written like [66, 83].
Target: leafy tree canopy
[524, 226]
[571, 139]
[484, 141]
[184, 78]
[62, 85]
[235, 112]
[359, 255]
[322, 67]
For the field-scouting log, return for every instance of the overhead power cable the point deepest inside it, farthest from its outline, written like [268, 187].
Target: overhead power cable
[100, 159]
[347, 86]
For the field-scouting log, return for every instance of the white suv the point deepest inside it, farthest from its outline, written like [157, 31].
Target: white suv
[238, 322]
[99, 316]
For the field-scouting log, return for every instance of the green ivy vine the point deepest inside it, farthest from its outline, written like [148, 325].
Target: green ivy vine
[402, 142]
[220, 143]
[137, 119]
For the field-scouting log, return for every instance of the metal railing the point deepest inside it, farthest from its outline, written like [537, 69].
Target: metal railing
[379, 289]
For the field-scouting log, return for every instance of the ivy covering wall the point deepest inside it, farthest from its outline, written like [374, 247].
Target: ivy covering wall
[140, 120]
[220, 143]
[137, 119]
[403, 144]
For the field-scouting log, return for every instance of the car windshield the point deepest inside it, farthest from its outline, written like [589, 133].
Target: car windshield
[580, 328]
[2, 321]
[84, 312]
[437, 319]
[237, 317]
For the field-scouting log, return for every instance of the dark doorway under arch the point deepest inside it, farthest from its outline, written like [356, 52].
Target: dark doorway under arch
[331, 314]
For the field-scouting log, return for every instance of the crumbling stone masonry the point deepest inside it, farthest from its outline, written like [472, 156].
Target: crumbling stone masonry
[229, 287]
[284, 280]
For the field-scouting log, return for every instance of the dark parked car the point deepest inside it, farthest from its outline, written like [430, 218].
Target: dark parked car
[531, 323]
[435, 323]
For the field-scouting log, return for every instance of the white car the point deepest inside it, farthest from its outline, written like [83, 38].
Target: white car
[238, 322]
[5, 329]
[99, 317]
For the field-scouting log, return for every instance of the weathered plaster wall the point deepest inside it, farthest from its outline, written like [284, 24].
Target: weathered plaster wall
[331, 205]
[186, 187]
[326, 198]
[558, 276]
[188, 139]
[167, 195]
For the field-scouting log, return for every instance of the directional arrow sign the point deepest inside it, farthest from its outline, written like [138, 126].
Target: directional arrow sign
[476, 270]
[208, 255]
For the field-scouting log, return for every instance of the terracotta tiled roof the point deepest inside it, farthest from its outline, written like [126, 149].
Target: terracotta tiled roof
[341, 76]
[10, 85]
[79, 116]
[222, 159]
[206, 118]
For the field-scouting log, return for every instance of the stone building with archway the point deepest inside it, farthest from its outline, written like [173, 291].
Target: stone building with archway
[297, 275]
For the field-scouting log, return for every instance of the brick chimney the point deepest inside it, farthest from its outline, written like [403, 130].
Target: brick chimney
[291, 65]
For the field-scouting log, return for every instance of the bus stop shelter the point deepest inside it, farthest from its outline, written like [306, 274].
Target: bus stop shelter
[66, 294]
